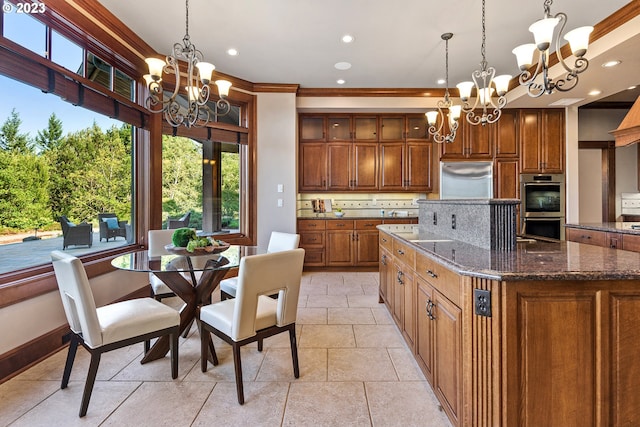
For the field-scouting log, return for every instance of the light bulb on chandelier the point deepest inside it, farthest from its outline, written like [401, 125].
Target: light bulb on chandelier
[192, 111]
[453, 111]
[543, 31]
[487, 84]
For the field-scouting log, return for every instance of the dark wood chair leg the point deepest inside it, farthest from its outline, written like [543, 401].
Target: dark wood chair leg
[187, 329]
[204, 348]
[174, 353]
[294, 350]
[260, 346]
[238, 366]
[71, 356]
[91, 379]
[147, 346]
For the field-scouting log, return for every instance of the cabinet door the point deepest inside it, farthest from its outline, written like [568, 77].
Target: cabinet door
[506, 179]
[365, 128]
[398, 295]
[365, 166]
[339, 247]
[417, 128]
[366, 248]
[386, 275]
[339, 129]
[552, 141]
[409, 313]
[391, 165]
[455, 150]
[418, 163]
[313, 167]
[530, 160]
[312, 128]
[507, 134]
[339, 166]
[424, 328]
[447, 354]
[478, 140]
[392, 128]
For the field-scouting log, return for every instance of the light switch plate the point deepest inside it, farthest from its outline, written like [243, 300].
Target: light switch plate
[280, 188]
[280, 203]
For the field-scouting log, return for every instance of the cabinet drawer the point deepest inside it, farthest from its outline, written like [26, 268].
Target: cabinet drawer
[400, 220]
[339, 224]
[314, 257]
[444, 280]
[310, 239]
[631, 242]
[404, 253]
[367, 224]
[590, 237]
[311, 224]
[386, 241]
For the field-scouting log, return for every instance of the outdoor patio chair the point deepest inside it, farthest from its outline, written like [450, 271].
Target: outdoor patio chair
[183, 221]
[111, 226]
[72, 234]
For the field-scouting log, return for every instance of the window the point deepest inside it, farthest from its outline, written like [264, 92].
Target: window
[66, 53]
[27, 31]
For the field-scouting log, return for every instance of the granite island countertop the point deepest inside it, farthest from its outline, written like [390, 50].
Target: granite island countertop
[531, 260]
[610, 227]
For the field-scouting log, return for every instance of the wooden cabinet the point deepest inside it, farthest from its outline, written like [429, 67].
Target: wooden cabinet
[366, 242]
[406, 166]
[507, 142]
[312, 236]
[471, 142]
[386, 275]
[312, 128]
[339, 243]
[352, 166]
[424, 327]
[608, 239]
[631, 242]
[542, 141]
[313, 167]
[365, 128]
[506, 174]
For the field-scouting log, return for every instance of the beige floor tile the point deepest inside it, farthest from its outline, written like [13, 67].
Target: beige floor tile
[406, 366]
[263, 405]
[313, 288]
[317, 316]
[162, 403]
[378, 336]
[363, 300]
[327, 336]
[328, 278]
[382, 315]
[278, 365]
[344, 289]
[360, 364]
[302, 300]
[18, 397]
[326, 404]
[409, 403]
[327, 301]
[361, 278]
[62, 407]
[350, 316]
[371, 288]
[251, 360]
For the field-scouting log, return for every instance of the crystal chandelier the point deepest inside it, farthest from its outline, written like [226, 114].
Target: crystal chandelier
[543, 31]
[484, 81]
[453, 110]
[177, 110]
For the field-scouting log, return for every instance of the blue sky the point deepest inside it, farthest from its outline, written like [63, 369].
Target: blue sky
[33, 106]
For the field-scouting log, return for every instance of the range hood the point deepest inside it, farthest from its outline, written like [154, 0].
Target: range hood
[629, 130]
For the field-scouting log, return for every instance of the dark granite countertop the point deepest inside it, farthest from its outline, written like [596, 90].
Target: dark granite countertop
[611, 227]
[531, 260]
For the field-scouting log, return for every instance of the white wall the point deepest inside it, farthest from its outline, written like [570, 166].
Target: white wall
[590, 185]
[27, 320]
[277, 154]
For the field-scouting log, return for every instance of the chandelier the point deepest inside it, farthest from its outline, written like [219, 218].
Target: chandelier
[453, 110]
[484, 81]
[543, 31]
[193, 110]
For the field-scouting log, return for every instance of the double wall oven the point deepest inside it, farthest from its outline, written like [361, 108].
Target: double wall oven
[542, 205]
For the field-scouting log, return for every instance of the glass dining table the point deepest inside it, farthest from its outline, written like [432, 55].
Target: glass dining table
[191, 277]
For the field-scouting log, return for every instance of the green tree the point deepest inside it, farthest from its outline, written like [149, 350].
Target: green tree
[10, 137]
[50, 137]
[181, 175]
[230, 186]
[24, 196]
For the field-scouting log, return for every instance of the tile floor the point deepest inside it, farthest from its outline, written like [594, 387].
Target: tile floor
[355, 370]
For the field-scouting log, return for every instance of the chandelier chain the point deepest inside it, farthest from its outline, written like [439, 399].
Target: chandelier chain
[446, 69]
[547, 7]
[186, 24]
[483, 49]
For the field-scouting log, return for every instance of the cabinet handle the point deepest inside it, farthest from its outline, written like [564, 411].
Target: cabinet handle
[313, 240]
[429, 309]
[585, 237]
[368, 225]
[400, 251]
[384, 240]
[400, 275]
[340, 225]
[432, 274]
[383, 260]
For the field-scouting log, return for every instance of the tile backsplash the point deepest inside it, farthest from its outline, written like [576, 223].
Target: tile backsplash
[363, 203]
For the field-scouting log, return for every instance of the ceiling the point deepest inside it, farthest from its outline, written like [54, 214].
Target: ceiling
[397, 44]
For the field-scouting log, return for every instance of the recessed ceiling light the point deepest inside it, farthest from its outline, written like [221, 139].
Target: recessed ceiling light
[595, 92]
[232, 52]
[610, 64]
[441, 81]
[340, 81]
[342, 65]
[348, 38]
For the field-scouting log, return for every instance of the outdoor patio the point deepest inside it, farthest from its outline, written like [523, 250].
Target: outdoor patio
[14, 256]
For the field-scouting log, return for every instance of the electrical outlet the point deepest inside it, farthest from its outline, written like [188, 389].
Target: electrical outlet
[482, 302]
[453, 221]
[374, 202]
[435, 219]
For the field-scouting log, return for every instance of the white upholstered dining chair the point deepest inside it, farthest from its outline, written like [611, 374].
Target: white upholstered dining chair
[278, 241]
[252, 315]
[109, 327]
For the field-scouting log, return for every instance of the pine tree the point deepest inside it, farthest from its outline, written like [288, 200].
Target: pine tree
[50, 137]
[10, 137]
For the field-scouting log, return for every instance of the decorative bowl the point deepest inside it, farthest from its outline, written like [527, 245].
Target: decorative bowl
[205, 250]
[339, 214]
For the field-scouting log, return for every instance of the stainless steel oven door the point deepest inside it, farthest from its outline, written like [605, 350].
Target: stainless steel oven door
[552, 228]
[542, 199]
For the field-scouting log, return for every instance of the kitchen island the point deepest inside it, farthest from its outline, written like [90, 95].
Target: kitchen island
[547, 334]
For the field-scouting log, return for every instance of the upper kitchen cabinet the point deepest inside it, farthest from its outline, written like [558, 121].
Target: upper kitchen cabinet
[312, 163]
[392, 128]
[339, 129]
[471, 142]
[365, 128]
[542, 141]
[507, 145]
[312, 128]
[417, 128]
